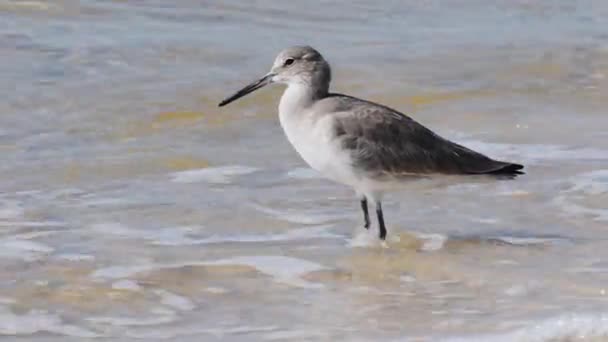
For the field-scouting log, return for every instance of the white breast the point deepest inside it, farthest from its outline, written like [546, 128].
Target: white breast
[312, 137]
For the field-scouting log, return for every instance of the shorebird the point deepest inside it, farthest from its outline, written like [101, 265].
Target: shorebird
[367, 146]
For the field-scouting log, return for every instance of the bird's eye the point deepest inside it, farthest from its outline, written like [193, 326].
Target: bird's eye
[288, 62]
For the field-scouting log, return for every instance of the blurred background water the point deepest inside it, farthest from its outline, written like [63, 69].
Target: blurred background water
[132, 208]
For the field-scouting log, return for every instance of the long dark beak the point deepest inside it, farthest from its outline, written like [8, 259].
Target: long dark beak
[248, 89]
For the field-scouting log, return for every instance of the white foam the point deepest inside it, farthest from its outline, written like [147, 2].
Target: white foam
[32, 224]
[283, 269]
[65, 192]
[407, 278]
[303, 173]
[179, 236]
[29, 4]
[297, 335]
[526, 241]
[320, 231]
[171, 236]
[23, 249]
[588, 269]
[117, 272]
[75, 257]
[364, 238]
[34, 234]
[435, 242]
[38, 321]
[175, 301]
[590, 183]
[299, 216]
[216, 290]
[11, 210]
[174, 332]
[158, 316]
[369, 238]
[561, 328]
[432, 242]
[7, 300]
[126, 284]
[486, 220]
[579, 210]
[105, 202]
[112, 228]
[586, 186]
[213, 175]
[536, 152]
[166, 236]
[291, 235]
[517, 290]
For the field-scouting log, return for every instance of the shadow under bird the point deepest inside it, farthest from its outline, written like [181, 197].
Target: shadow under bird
[367, 146]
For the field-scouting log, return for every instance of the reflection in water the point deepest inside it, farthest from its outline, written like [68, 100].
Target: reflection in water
[131, 208]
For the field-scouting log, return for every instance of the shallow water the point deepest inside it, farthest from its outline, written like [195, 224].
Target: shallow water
[132, 208]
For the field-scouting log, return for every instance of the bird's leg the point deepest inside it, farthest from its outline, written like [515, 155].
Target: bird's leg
[381, 227]
[365, 213]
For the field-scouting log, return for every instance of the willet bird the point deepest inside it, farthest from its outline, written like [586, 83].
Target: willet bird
[364, 145]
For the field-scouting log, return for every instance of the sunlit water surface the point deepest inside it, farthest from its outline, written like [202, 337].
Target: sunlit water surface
[132, 208]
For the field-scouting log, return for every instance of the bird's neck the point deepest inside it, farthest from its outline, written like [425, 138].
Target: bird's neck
[300, 96]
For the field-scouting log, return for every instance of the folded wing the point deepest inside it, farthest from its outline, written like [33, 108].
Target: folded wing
[384, 141]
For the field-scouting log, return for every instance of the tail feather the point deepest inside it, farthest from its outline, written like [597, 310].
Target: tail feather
[509, 169]
[474, 163]
[504, 168]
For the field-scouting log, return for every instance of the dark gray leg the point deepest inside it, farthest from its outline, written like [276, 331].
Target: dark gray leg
[365, 213]
[381, 226]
